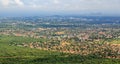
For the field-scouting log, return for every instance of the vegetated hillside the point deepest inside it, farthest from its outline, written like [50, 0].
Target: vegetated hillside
[114, 41]
[24, 55]
[60, 40]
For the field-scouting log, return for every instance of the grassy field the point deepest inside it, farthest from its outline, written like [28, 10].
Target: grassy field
[114, 41]
[24, 55]
[14, 39]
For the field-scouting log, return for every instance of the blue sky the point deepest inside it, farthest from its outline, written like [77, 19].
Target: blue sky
[41, 7]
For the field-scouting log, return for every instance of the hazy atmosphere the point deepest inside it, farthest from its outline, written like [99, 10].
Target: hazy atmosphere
[51, 7]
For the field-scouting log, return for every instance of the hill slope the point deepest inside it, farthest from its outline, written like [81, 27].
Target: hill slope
[24, 55]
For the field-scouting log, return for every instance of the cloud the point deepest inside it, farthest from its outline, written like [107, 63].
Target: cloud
[5, 2]
[11, 3]
[105, 6]
[19, 2]
[56, 1]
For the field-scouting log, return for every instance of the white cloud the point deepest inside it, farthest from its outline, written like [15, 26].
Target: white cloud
[5, 2]
[64, 5]
[9, 3]
[56, 1]
[19, 2]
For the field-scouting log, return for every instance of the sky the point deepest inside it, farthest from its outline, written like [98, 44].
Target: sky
[59, 7]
